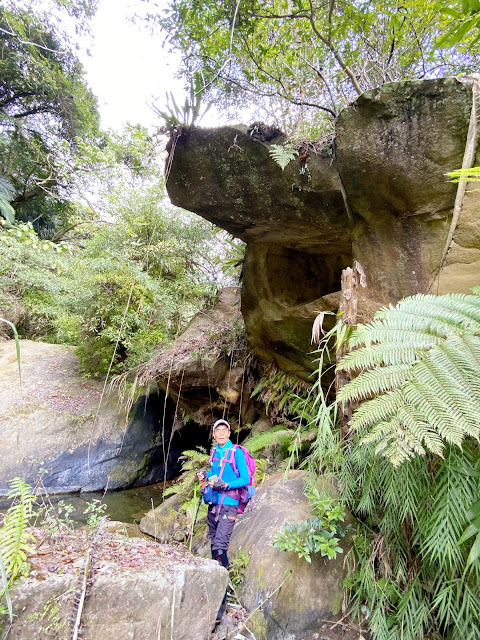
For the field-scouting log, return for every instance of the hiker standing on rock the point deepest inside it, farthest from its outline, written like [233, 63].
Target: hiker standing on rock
[228, 474]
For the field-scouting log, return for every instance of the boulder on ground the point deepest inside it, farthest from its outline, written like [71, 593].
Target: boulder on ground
[292, 599]
[168, 523]
[162, 522]
[137, 589]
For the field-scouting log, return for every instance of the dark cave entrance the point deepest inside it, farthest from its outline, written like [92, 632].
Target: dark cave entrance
[153, 419]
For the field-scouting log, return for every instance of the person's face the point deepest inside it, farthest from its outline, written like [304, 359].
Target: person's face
[221, 434]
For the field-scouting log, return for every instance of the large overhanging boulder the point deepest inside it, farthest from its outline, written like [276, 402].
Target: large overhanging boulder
[377, 194]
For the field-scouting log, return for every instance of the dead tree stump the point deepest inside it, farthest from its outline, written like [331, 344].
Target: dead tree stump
[352, 278]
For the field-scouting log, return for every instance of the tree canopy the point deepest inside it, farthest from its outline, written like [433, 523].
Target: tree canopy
[45, 106]
[314, 54]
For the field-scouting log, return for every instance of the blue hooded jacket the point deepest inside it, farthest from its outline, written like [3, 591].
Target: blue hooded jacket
[229, 476]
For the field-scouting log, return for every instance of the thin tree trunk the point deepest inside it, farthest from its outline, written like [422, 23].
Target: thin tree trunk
[352, 278]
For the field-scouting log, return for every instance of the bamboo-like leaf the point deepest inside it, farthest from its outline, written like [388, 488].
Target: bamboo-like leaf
[17, 347]
[474, 551]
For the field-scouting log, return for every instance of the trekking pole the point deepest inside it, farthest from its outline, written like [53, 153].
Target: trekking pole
[198, 509]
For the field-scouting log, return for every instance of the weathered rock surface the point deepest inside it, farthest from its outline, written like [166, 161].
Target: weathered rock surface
[292, 606]
[175, 597]
[168, 523]
[162, 522]
[52, 422]
[379, 194]
[200, 371]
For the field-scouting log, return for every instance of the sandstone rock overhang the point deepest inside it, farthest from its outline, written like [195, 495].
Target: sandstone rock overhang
[377, 194]
[229, 178]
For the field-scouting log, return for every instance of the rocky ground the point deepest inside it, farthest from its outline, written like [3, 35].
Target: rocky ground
[60, 551]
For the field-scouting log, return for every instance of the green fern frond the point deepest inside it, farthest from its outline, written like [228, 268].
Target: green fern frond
[377, 409]
[379, 355]
[441, 527]
[413, 612]
[454, 314]
[283, 154]
[276, 436]
[14, 538]
[422, 388]
[379, 332]
[375, 381]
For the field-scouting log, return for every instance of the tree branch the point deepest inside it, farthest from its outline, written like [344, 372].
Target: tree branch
[33, 44]
[336, 54]
[277, 94]
[31, 112]
[16, 96]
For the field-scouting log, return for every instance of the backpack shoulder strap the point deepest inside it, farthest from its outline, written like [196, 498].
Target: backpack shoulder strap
[232, 461]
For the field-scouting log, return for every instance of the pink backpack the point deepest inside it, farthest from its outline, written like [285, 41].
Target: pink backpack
[243, 494]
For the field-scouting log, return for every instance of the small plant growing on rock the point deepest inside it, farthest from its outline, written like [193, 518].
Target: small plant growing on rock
[283, 154]
[237, 568]
[319, 534]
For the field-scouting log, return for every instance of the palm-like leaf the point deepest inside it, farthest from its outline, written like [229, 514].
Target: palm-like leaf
[418, 367]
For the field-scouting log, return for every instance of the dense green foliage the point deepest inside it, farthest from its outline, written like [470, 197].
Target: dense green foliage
[414, 571]
[319, 534]
[45, 107]
[312, 54]
[122, 271]
[131, 286]
[418, 365]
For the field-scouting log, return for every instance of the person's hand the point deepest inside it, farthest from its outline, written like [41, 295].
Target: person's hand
[219, 485]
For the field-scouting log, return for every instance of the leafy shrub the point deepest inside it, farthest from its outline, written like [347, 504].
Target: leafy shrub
[317, 534]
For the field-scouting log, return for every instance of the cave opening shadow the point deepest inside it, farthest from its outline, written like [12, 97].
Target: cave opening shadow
[169, 437]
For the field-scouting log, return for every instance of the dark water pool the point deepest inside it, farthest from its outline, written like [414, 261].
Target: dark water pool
[127, 505]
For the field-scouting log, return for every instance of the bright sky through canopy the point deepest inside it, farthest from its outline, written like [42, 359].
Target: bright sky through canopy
[128, 67]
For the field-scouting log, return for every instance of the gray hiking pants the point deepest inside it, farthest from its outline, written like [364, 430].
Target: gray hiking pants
[220, 530]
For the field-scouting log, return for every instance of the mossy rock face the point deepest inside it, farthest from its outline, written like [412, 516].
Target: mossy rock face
[229, 178]
[394, 146]
[310, 593]
[58, 421]
[392, 149]
[396, 143]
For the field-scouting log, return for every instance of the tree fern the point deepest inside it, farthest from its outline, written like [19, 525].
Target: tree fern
[418, 368]
[414, 569]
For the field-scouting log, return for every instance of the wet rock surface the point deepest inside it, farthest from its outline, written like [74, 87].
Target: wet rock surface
[58, 422]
